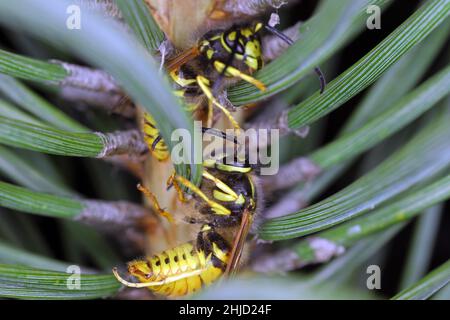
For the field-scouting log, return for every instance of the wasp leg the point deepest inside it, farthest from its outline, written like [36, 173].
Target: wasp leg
[232, 71]
[182, 82]
[179, 93]
[228, 194]
[215, 207]
[204, 86]
[155, 203]
[213, 245]
[191, 107]
[171, 182]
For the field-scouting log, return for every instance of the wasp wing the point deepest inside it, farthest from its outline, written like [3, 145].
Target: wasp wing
[182, 58]
[239, 242]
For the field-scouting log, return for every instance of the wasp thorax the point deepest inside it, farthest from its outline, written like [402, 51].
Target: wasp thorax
[242, 43]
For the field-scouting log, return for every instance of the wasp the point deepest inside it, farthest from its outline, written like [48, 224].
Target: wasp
[220, 57]
[225, 206]
[228, 199]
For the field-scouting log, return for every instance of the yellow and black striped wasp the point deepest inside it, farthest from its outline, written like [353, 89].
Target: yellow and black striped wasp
[225, 206]
[206, 68]
[220, 58]
[228, 198]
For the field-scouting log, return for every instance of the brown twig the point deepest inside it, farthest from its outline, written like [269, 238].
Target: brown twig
[286, 260]
[281, 261]
[133, 164]
[128, 142]
[274, 46]
[279, 122]
[290, 203]
[239, 8]
[111, 216]
[94, 87]
[298, 170]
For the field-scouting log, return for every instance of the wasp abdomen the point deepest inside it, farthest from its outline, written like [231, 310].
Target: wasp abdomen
[153, 139]
[185, 269]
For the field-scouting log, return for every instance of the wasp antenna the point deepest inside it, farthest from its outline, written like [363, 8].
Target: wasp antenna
[219, 133]
[280, 35]
[134, 284]
[323, 81]
[122, 280]
[155, 283]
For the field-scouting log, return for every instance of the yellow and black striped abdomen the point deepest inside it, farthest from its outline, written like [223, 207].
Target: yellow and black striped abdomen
[157, 146]
[184, 269]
